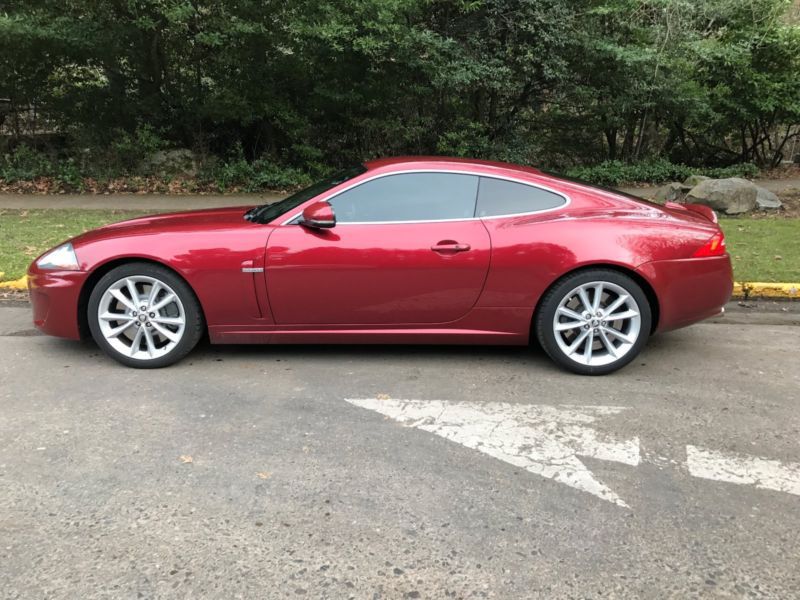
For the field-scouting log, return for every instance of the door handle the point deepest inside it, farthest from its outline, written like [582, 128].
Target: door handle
[450, 247]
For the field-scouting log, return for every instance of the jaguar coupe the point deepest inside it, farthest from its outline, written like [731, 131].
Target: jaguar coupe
[417, 250]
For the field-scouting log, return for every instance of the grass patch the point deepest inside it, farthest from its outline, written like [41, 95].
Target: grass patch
[24, 234]
[764, 249]
[754, 244]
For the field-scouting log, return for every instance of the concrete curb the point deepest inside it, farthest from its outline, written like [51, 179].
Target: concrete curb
[741, 290]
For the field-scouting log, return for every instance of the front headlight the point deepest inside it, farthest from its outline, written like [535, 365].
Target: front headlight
[61, 258]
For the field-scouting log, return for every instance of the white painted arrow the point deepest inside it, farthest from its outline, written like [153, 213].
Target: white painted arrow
[545, 440]
[743, 469]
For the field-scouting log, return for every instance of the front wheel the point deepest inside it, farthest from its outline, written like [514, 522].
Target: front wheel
[144, 316]
[594, 322]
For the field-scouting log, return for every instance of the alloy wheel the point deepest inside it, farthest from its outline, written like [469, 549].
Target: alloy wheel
[141, 317]
[597, 323]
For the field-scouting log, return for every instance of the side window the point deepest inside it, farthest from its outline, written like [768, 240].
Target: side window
[409, 197]
[500, 197]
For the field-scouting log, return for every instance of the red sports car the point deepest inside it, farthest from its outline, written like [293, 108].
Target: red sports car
[412, 250]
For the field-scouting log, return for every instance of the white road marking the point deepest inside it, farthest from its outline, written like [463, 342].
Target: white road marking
[545, 440]
[742, 469]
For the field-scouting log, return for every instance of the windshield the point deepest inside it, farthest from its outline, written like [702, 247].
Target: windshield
[267, 212]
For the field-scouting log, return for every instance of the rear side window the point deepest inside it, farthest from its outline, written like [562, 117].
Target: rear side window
[408, 197]
[500, 197]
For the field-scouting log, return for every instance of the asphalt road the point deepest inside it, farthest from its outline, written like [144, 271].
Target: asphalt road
[244, 472]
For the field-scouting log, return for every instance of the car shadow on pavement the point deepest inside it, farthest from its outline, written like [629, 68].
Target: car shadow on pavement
[405, 355]
[373, 351]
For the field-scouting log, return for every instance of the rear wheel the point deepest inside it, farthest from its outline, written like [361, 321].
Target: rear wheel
[144, 316]
[594, 322]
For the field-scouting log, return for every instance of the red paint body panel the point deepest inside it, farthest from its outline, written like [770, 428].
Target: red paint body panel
[381, 274]
[54, 299]
[383, 283]
[689, 290]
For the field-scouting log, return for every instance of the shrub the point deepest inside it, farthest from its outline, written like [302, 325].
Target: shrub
[748, 170]
[128, 152]
[25, 163]
[614, 172]
[262, 174]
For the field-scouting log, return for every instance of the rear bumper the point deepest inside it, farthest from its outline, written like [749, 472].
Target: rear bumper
[54, 298]
[689, 290]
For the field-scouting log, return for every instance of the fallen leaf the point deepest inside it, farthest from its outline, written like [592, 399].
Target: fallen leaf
[185, 458]
[264, 475]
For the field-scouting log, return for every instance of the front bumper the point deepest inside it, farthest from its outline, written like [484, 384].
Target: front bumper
[689, 290]
[54, 297]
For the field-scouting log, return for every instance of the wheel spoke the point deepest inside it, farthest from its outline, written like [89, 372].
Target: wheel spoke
[563, 310]
[167, 320]
[154, 289]
[133, 292]
[109, 316]
[598, 295]
[163, 302]
[587, 305]
[612, 350]
[137, 342]
[171, 336]
[619, 335]
[587, 351]
[577, 342]
[124, 300]
[148, 338]
[115, 331]
[628, 314]
[621, 299]
[568, 325]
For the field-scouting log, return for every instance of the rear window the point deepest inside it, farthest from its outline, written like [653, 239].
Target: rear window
[498, 197]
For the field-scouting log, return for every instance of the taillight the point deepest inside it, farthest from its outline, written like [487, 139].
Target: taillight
[713, 247]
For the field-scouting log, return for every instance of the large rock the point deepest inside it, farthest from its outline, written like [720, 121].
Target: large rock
[669, 192]
[172, 162]
[732, 196]
[766, 200]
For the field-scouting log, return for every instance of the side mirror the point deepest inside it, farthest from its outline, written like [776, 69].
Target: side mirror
[319, 215]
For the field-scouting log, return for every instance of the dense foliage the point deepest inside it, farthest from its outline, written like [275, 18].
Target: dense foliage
[615, 172]
[313, 84]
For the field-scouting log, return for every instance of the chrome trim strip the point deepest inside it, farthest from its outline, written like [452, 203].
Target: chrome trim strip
[444, 171]
[252, 269]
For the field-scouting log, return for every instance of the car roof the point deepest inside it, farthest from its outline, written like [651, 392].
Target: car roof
[401, 163]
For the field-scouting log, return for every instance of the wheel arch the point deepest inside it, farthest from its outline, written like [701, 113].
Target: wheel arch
[649, 292]
[99, 271]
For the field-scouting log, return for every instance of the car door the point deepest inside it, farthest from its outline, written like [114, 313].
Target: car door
[406, 249]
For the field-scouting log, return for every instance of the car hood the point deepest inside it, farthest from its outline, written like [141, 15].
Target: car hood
[193, 220]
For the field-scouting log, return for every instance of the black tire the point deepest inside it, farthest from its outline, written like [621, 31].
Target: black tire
[544, 325]
[194, 322]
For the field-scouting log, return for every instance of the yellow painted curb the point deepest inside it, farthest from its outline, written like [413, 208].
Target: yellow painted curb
[17, 284]
[766, 290]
